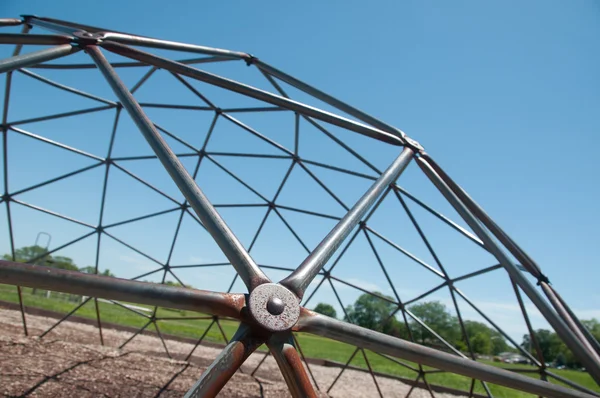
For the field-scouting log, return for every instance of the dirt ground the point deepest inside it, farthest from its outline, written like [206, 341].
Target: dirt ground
[69, 362]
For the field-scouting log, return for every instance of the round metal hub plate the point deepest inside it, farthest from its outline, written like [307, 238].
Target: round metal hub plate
[259, 300]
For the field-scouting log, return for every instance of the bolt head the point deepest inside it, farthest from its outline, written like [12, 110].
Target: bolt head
[275, 306]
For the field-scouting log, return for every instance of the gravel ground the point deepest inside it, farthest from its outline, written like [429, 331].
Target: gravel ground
[69, 362]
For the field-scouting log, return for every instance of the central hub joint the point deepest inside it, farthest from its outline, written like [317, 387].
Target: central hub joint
[274, 307]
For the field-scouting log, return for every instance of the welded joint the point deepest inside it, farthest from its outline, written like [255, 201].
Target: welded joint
[83, 38]
[413, 144]
[250, 59]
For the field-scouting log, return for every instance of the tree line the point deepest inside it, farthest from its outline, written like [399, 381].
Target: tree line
[373, 312]
[27, 253]
[552, 347]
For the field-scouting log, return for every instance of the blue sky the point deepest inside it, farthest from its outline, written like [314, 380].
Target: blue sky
[503, 94]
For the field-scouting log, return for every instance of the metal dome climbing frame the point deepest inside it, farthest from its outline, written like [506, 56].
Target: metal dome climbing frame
[269, 312]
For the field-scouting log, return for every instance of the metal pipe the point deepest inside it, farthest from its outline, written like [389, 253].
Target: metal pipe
[321, 325]
[25, 60]
[215, 225]
[171, 45]
[228, 361]
[110, 288]
[282, 348]
[528, 263]
[299, 280]
[566, 316]
[49, 25]
[566, 334]
[250, 91]
[18, 38]
[328, 99]
[10, 22]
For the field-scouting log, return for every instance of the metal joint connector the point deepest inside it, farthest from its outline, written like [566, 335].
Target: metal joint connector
[414, 145]
[250, 60]
[86, 38]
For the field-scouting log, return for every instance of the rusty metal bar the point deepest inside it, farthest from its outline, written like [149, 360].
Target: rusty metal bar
[226, 364]
[111, 288]
[283, 350]
[589, 358]
[250, 273]
[250, 91]
[321, 325]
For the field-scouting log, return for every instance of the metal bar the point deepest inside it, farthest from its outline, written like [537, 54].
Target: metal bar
[49, 25]
[339, 169]
[406, 253]
[226, 364]
[25, 60]
[371, 372]
[590, 337]
[187, 358]
[61, 115]
[571, 383]
[257, 134]
[282, 348]
[135, 334]
[299, 280]
[112, 288]
[249, 155]
[343, 369]
[61, 320]
[442, 217]
[504, 334]
[66, 88]
[174, 106]
[590, 359]
[328, 99]
[191, 61]
[532, 336]
[566, 316]
[311, 213]
[7, 90]
[19, 38]
[323, 185]
[52, 213]
[215, 225]
[41, 184]
[320, 325]
[249, 91]
[254, 109]
[312, 376]
[196, 92]
[10, 22]
[477, 273]
[98, 319]
[55, 143]
[171, 45]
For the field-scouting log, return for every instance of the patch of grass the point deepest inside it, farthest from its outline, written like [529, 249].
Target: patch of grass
[312, 346]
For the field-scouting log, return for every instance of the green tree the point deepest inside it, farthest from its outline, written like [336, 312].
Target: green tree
[28, 253]
[326, 309]
[435, 315]
[550, 344]
[62, 262]
[478, 332]
[370, 311]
